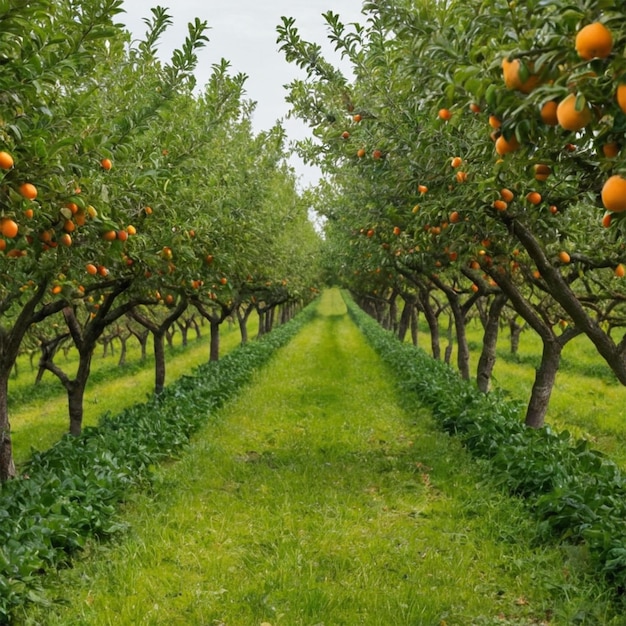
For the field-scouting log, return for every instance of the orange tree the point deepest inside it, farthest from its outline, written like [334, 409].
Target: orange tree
[435, 86]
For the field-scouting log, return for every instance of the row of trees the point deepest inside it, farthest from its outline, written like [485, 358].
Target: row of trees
[126, 190]
[475, 160]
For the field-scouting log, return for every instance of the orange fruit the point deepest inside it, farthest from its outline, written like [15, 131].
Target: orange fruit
[564, 257]
[360, 153]
[621, 97]
[377, 154]
[6, 160]
[29, 214]
[57, 289]
[91, 269]
[65, 240]
[500, 205]
[106, 164]
[91, 211]
[610, 149]
[103, 271]
[444, 114]
[569, 117]
[506, 194]
[474, 108]
[554, 209]
[454, 217]
[9, 228]
[357, 118]
[422, 188]
[620, 271]
[542, 171]
[456, 161]
[504, 146]
[345, 135]
[594, 41]
[512, 79]
[122, 235]
[69, 226]
[148, 210]
[494, 122]
[461, 177]
[396, 230]
[80, 218]
[223, 280]
[109, 235]
[548, 113]
[534, 197]
[606, 219]
[28, 190]
[131, 230]
[614, 194]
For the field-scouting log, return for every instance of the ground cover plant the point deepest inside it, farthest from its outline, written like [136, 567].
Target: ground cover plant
[576, 492]
[324, 493]
[69, 492]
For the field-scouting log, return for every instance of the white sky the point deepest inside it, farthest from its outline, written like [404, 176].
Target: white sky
[244, 33]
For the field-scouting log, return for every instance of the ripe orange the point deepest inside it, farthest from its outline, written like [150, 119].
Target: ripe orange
[504, 146]
[377, 154]
[610, 149]
[370, 232]
[91, 269]
[548, 113]
[554, 209]
[614, 194]
[621, 97]
[57, 289]
[103, 271]
[506, 194]
[148, 210]
[594, 41]
[569, 117]
[512, 79]
[360, 153]
[345, 135]
[357, 118]
[65, 240]
[444, 114]
[131, 230]
[454, 217]
[474, 108]
[69, 226]
[106, 164]
[223, 280]
[29, 214]
[122, 235]
[494, 122]
[534, 197]
[396, 230]
[6, 160]
[542, 171]
[109, 235]
[620, 271]
[422, 188]
[80, 218]
[8, 228]
[461, 177]
[564, 257]
[500, 205]
[28, 190]
[456, 161]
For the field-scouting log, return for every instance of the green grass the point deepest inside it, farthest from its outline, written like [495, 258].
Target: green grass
[39, 423]
[323, 496]
[587, 399]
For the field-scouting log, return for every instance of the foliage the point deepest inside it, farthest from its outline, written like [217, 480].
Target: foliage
[576, 492]
[69, 492]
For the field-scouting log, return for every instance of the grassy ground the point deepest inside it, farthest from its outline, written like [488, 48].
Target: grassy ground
[587, 400]
[40, 422]
[322, 496]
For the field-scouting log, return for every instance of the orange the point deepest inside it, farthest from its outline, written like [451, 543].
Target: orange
[620, 271]
[377, 154]
[69, 226]
[422, 188]
[106, 164]
[504, 146]
[29, 214]
[610, 149]
[6, 160]
[506, 194]
[500, 205]
[109, 235]
[131, 230]
[91, 269]
[148, 210]
[461, 177]
[122, 235]
[621, 97]
[554, 209]
[564, 257]
[542, 171]
[606, 219]
[444, 114]
[223, 280]
[533, 197]
[57, 289]
[9, 228]
[512, 79]
[474, 108]
[65, 240]
[454, 217]
[548, 113]
[594, 41]
[494, 122]
[360, 153]
[28, 190]
[357, 118]
[569, 117]
[614, 194]
[456, 162]
[345, 135]
[396, 230]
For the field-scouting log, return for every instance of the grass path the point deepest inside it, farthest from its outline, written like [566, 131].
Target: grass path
[320, 496]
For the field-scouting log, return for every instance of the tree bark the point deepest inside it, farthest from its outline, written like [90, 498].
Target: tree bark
[487, 359]
[544, 383]
[214, 351]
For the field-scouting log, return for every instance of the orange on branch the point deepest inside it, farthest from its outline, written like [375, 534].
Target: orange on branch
[6, 160]
[28, 191]
[571, 117]
[594, 41]
[614, 194]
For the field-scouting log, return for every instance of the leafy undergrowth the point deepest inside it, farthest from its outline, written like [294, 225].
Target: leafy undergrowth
[323, 495]
[577, 493]
[69, 492]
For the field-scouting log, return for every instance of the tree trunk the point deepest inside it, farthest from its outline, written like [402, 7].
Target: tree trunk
[7, 466]
[414, 326]
[516, 332]
[261, 331]
[159, 361]
[122, 360]
[544, 383]
[433, 326]
[487, 359]
[214, 352]
[405, 319]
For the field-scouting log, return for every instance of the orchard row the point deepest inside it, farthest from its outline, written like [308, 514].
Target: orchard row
[125, 188]
[478, 169]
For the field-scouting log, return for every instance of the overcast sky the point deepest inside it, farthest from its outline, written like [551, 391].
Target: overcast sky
[244, 33]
